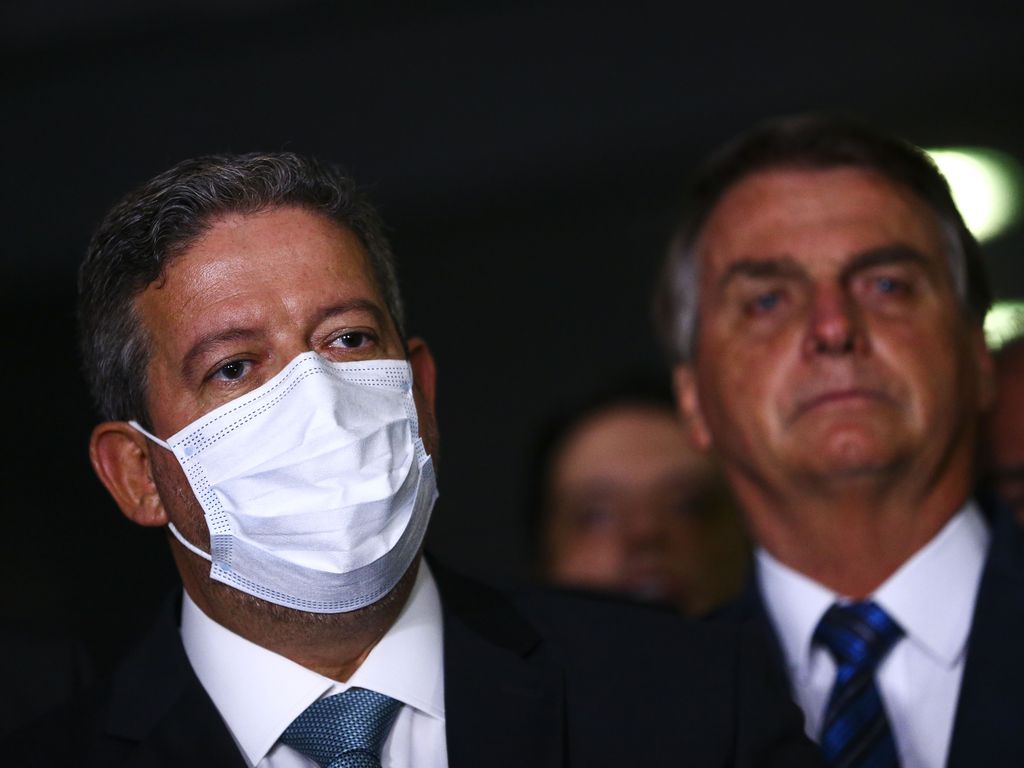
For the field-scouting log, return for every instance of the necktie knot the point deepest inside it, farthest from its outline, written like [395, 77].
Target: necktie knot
[857, 634]
[345, 730]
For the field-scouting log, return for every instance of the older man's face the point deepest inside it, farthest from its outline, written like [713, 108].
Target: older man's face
[831, 342]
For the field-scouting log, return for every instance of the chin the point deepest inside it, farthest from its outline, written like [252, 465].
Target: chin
[853, 462]
[850, 452]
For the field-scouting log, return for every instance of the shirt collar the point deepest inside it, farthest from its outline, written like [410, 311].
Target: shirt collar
[931, 596]
[795, 604]
[406, 664]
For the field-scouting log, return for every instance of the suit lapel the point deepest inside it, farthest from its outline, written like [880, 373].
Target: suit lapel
[987, 728]
[503, 701]
[159, 707]
[749, 609]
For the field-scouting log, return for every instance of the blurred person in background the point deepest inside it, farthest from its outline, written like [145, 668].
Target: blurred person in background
[1002, 442]
[823, 302]
[622, 502]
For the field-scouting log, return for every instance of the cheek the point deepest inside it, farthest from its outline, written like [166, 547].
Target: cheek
[743, 392]
[687, 541]
[928, 366]
[592, 558]
[181, 505]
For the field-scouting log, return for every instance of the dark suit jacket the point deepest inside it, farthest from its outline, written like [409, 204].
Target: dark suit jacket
[541, 679]
[988, 728]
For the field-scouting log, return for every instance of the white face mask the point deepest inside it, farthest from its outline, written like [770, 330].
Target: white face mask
[316, 487]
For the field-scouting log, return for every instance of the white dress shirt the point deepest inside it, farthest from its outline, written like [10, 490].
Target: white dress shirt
[931, 597]
[259, 693]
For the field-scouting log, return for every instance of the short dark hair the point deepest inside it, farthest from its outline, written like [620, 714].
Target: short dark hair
[810, 141]
[155, 223]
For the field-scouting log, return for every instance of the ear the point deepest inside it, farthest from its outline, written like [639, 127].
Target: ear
[121, 459]
[684, 383]
[424, 371]
[986, 369]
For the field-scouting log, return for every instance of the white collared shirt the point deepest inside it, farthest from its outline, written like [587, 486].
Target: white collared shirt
[259, 693]
[931, 596]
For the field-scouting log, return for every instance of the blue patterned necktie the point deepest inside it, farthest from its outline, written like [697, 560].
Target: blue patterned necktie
[856, 731]
[346, 730]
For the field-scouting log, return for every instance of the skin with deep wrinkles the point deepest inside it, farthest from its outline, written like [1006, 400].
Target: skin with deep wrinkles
[837, 373]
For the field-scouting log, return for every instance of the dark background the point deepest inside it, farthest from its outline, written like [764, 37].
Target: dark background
[528, 159]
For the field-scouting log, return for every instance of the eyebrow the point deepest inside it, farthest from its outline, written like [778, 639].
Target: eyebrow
[353, 305]
[787, 267]
[242, 333]
[783, 266]
[191, 360]
[898, 253]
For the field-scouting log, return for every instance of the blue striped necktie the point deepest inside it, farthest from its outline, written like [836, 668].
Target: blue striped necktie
[346, 730]
[856, 732]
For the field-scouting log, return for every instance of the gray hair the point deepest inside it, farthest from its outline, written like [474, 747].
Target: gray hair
[152, 225]
[810, 142]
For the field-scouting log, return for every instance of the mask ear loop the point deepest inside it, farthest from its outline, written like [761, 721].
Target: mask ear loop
[188, 544]
[177, 534]
[139, 428]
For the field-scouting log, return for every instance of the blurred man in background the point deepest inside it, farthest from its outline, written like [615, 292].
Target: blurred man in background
[1002, 443]
[624, 503]
[823, 302]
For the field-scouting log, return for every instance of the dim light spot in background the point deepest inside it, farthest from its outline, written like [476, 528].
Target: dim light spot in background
[986, 187]
[1005, 321]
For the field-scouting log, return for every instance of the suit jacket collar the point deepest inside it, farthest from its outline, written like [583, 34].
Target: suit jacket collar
[157, 702]
[749, 609]
[990, 707]
[503, 696]
[987, 727]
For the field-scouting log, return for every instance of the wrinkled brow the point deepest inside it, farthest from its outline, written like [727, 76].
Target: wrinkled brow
[787, 267]
[784, 266]
[897, 253]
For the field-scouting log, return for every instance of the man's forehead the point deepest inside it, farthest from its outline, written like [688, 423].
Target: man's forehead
[767, 212]
[244, 263]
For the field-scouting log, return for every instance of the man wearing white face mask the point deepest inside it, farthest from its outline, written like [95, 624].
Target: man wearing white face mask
[243, 336]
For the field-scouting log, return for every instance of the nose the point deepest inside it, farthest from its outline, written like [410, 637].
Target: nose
[834, 325]
[643, 527]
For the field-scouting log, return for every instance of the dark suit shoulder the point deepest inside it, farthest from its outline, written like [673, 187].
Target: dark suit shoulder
[640, 681]
[986, 728]
[151, 711]
[591, 627]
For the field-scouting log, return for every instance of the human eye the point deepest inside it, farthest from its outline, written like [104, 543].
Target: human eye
[763, 302]
[594, 517]
[891, 286]
[888, 287]
[353, 339]
[231, 371]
